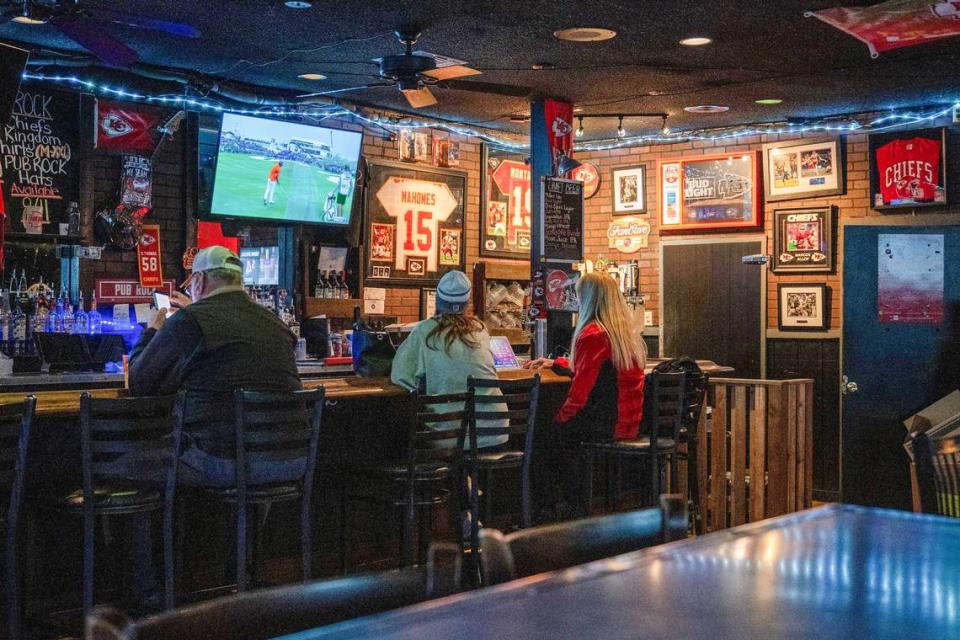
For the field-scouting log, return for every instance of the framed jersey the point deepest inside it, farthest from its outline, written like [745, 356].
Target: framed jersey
[908, 169]
[414, 226]
[505, 206]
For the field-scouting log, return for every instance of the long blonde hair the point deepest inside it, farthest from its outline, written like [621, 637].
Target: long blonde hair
[601, 302]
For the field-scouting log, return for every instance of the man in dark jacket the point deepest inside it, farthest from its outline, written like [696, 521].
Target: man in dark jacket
[218, 341]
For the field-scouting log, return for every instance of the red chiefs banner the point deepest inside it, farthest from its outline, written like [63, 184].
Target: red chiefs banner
[122, 128]
[559, 117]
[148, 257]
[895, 23]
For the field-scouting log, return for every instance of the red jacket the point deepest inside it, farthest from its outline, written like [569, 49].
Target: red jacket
[600, 390]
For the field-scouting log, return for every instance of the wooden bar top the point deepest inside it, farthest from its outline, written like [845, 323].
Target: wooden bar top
[67, 402]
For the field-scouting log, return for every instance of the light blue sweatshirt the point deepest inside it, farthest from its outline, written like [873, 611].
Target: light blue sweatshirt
[447, 371]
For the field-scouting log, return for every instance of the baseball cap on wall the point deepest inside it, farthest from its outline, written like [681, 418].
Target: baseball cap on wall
[216, 257]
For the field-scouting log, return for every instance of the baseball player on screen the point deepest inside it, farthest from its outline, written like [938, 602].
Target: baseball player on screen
[272, 181]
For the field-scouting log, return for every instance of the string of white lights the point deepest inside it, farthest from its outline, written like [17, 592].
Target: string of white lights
[881, 123]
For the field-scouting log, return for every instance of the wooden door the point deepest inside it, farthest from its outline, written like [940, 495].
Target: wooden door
[901, 361]
[712, 305]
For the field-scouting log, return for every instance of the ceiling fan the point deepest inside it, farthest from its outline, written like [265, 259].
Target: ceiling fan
[414, 72]
[86, 27]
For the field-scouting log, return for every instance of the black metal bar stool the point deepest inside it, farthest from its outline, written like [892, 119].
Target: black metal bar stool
[695, 397]
[657, 444]
[519, 415]
[128, 449]
[432, 461]
[16, 421]
[275, 430]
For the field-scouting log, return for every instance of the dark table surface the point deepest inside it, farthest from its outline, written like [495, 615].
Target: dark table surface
[837, 571]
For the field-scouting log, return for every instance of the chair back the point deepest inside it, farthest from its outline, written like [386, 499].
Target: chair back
[664, 415]
[520, 396]
[558, 546]
[16, 421]
[694, 401]
[437, 432]
[276, 427]
[268, 613]
[938, 474]
[118, 434]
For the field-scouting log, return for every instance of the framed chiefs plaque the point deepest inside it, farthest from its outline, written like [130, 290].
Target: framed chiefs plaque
[414, 225]
[908, 169]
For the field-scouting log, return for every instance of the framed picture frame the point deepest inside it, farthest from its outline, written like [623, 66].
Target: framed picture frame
[803, 240]
[413, 244]
[908, 169]
[802, 306]
[630, 190]
[711, 192]
[428, 303]
[504, 205]
[799, 169]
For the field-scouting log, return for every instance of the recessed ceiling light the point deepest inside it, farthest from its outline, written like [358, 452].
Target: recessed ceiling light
[769, 101]
[584, 34]
[298, 4]
[696, 41]
[706, 108]
[312, 76]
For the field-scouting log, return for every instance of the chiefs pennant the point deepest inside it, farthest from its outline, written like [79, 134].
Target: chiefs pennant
[122, 128]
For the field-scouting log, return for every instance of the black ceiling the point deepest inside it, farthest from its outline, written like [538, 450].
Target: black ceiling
[760, 50]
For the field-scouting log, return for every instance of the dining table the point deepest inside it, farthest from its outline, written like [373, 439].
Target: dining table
[834, 571]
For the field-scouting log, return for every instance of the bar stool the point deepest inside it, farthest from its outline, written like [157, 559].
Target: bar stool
[695, 396]
[521, 398]
[431, 462]
[656, 447]
[16, 421]
[273, 429]
[122, 439]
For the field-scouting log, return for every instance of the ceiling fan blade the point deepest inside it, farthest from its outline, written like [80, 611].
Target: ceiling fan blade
[419, 97]
[95, 40]
[179, 29]
[449, 73]
[515, 91]
[332, 91]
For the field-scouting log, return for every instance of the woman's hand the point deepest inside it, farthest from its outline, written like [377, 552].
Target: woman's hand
[539, 363]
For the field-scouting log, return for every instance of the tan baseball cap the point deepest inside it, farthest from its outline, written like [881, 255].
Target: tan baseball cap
[216, 257]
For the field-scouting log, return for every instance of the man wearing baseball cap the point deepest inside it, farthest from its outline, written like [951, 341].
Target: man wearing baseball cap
[219, 340]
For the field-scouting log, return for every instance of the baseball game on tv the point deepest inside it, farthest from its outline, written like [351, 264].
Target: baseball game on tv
[285, 171]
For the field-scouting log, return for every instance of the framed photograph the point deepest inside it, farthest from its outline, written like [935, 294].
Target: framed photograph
[414, 223]
[908, 169]
[428, 303]
[708, 193]
[423, 146]
[630, 190]
[803, 169]
[505, 205]
[407, 141]
[803, 240]
[802, 307]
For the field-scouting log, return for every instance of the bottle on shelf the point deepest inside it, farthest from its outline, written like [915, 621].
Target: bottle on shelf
[42, 313]
[94, 321]
[344, 288]
[322, 285]
[5, 318]
[58, 314]
[335, 285]
[18, 334]
[68, 324]
[81, 321]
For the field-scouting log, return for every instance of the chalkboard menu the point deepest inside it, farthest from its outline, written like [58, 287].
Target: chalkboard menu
[38, 159]
[562, 205]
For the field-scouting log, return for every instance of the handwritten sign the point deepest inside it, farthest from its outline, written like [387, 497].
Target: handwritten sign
[37, 159]
[562, 236]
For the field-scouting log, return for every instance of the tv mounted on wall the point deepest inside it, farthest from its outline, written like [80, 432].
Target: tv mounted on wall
[285, 171]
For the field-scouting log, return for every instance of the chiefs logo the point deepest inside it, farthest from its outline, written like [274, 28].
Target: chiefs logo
[147, 240]
[113, 126]
[561, 127]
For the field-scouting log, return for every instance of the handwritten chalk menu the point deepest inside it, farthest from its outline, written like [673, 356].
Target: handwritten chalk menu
[562, 205]
[38, 159]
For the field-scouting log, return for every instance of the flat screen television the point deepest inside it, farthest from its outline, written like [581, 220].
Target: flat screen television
[285, 171]
[261, 266]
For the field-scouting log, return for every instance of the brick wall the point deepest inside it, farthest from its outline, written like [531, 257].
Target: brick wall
[855, 203]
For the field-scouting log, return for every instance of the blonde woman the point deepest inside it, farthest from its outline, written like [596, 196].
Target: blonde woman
[605, 400]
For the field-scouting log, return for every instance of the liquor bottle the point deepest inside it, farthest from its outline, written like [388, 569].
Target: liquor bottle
[5, 318]
[81, 321]
[18, 334]
[58, 314]
[93, 318]
[344, 287]
[68, 325]
[42, 313]
[334, 286]
[322, 285]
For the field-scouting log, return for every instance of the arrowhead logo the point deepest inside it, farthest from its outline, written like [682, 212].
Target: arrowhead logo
[113, 126]
[561, 127]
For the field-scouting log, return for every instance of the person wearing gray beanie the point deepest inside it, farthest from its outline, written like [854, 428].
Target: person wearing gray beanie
[444, 350]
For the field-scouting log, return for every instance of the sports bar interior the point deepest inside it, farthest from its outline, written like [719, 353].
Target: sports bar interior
[479, 319]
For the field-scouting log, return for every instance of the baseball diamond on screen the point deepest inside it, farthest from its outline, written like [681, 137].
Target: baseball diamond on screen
[285, 171]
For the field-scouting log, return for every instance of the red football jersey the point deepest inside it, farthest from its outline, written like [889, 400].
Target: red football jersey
[909, 170]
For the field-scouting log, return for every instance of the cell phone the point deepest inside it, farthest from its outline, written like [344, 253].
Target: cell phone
[161, 301]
